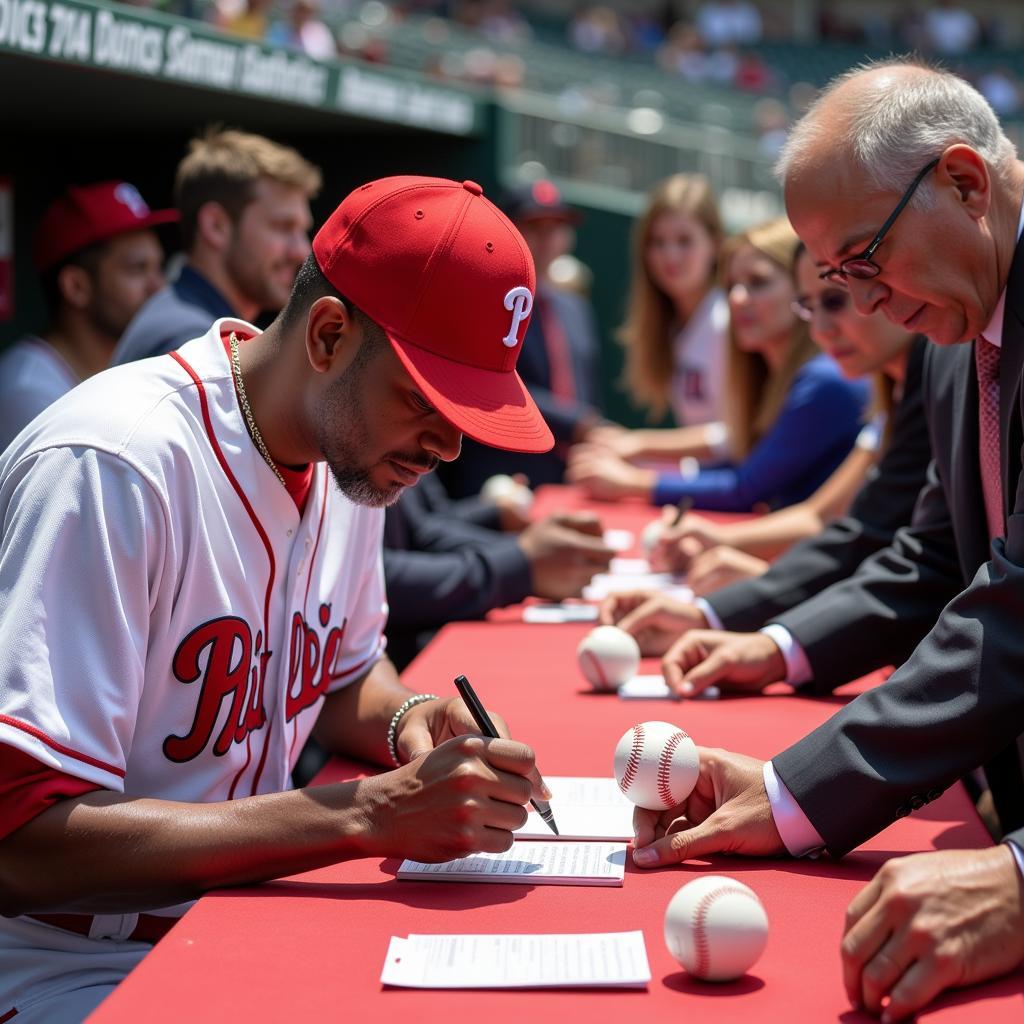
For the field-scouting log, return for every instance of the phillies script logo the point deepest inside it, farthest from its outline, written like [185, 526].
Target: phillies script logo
[235, 671]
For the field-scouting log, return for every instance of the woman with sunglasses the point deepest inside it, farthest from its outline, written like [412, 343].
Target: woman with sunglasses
[791, 416]
[716, 554]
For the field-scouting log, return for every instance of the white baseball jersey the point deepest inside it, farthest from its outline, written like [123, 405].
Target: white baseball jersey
[169, 623]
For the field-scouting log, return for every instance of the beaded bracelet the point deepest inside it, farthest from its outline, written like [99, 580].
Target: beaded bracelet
[418, 698]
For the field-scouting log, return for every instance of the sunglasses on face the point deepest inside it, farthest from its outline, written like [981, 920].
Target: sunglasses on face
[831, 301]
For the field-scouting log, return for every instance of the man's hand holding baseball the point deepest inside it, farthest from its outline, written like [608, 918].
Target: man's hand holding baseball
[727, 812]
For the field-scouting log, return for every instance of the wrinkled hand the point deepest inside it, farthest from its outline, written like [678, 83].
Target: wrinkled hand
[564, 556]
[717, 568]
[464, 796]
[727, 812]
[655, 621]
[605, 476]
[741, 662]
[681, 543]
[930, 922]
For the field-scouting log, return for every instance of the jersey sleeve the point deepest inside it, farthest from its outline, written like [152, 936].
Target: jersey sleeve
[27, 788]
[364, 642]
[81, 553]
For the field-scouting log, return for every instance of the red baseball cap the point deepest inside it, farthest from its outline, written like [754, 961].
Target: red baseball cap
[87, 214]
[450, 280]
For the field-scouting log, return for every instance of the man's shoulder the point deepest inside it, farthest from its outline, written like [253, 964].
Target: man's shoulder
[165, 322]
[148, 413]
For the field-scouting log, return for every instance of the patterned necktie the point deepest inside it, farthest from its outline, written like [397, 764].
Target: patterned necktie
[986, 359]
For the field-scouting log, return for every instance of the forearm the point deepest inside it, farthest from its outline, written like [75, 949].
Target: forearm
[354, 721]
[768, 535]
[676, 443]
[107, 853]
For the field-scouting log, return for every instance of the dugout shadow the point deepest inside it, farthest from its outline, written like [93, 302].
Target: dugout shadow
[417, 895]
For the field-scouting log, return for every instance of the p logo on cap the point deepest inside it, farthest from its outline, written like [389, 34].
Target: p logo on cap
[519, 302]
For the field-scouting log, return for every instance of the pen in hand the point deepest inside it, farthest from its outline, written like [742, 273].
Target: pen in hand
[486, 726]
[682, 507]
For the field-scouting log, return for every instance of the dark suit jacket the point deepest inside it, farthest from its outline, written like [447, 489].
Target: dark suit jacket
[442, 565]
[958, 702]
[884, 504]
[466, 475]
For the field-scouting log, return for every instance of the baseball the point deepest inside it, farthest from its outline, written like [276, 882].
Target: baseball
[608, 656]
[651, 534]
[716, 928]
[502, 487]
[656, 765]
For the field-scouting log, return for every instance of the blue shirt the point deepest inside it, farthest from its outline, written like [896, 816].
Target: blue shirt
[181, 311]
[815, 430]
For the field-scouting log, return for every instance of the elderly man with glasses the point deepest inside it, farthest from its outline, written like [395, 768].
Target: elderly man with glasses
[906, 191]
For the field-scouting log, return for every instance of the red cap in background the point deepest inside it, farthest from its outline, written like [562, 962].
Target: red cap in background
[450, 280]
[87, 214]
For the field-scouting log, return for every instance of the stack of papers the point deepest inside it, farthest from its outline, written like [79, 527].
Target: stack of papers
[584, 809]
[611, 959]
[529, 863]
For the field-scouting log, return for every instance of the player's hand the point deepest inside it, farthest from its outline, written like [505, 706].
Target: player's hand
[717, 568]
[655, 621]
[429, 724]
[929, 922]
[465, 796]
[564, 554]
[680, 544]
[605, 476]
[741, 662]
[727, 812]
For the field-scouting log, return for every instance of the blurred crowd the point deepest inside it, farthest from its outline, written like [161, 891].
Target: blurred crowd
[714, 42]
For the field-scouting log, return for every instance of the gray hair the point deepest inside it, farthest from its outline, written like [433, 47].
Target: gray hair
[893, 133]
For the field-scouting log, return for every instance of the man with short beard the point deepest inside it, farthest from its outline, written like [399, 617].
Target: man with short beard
[98, 260]
[186, 595]
[245, 220]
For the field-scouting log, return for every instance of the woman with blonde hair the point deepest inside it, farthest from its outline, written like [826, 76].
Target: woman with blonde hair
[791, 416]
[675, 329]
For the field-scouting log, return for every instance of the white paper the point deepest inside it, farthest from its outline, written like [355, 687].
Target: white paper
[583, 809]
[619, 540]
[605, 583]
[655, 688]
[553, 613]
[611, 959]
[629, 567]
[529, 863]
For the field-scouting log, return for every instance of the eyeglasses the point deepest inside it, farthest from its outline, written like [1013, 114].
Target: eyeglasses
[833, 301]
[862, 267]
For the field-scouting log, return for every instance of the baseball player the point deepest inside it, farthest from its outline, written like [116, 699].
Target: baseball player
[185, 596]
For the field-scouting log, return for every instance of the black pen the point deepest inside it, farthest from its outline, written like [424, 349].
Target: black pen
[682, 507]
[483, 720]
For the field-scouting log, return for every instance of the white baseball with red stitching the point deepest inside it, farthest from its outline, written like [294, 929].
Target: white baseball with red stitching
[656, 765]
[716, 928]
[608, 657]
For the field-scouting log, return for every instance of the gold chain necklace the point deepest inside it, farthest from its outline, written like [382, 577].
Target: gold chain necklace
[243, 400]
